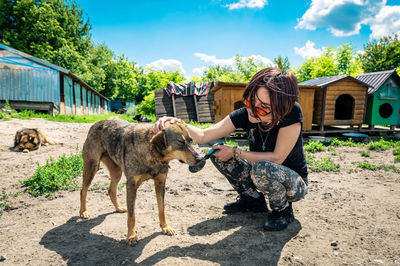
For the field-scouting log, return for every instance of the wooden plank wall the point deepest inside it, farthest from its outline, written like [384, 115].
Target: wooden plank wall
[185, 106]
[356, 90]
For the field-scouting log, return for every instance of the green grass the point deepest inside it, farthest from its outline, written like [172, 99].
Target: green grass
[344, 143]
[382, 145]
[314, 146]
[365, 154]
[373, 167]
[3, 206]
[55, 175]
[322, 165]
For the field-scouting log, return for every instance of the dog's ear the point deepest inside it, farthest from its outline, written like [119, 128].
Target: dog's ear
[17, 138]
[158, 143]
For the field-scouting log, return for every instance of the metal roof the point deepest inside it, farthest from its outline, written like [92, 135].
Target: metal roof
[52, 66]
[326, 81]
[375, 79]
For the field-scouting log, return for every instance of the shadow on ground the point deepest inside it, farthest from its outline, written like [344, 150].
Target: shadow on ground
[248, 244]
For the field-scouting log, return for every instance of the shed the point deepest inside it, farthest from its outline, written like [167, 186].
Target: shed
[189, 102]
[338, 100]
[28, 82]
[227, 97]
[383, 103]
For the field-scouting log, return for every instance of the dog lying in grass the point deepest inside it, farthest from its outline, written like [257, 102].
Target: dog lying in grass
[139, 153]
[29, 139]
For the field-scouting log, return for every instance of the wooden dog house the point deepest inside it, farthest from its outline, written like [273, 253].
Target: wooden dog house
[338, 100]
[228, 97]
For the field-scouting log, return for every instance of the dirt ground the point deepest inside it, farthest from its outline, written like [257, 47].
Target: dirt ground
[348, 218]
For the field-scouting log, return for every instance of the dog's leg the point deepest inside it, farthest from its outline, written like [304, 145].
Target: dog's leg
[89, 170]
[131, 189]
[159, 184]
[115, 175]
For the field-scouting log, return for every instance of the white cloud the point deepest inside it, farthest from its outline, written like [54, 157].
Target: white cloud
[247, 4]
[198, 71]
[308, 50]
[386, 22]
[231, 61]
[342, 17]
[166, 64]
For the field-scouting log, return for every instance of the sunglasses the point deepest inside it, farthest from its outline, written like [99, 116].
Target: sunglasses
[260, 111]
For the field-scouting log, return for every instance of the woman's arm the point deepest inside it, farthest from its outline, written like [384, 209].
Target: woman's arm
[287, 138]
[200, 136]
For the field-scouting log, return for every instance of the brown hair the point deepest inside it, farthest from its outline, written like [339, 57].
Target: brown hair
[283, 91]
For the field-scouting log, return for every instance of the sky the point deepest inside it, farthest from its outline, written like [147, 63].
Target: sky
[192, 35]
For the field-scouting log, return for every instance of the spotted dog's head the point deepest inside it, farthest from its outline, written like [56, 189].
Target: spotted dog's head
[27, 139]
[174, 142]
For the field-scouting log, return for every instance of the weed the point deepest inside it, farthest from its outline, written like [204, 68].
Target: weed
[350, 171]
[396, 151]
[365, 154]
[334, 153]
[382, 145]
[397, 159]
[3, 206]
[372, 167]
[322, 165]
[55, 175]
[314, 146]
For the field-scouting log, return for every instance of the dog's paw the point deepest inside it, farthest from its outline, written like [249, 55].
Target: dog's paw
[120, 210]
[25, 151]
[84, 215]
[168, 231]
[132, 240]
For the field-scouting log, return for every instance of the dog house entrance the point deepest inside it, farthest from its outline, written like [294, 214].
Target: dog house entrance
[238, 105]
[344, 107]
[385, 110]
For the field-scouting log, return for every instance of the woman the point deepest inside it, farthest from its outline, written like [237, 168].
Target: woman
[275, 165]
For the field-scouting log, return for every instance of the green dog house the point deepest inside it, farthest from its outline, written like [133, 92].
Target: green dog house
[383, 102]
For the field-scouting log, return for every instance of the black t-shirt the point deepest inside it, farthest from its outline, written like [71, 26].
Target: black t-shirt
[296, 159]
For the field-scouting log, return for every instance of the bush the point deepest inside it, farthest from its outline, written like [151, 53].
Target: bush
[55, 175]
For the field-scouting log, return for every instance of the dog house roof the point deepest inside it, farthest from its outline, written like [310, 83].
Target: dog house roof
[326, 81]
[376, 79]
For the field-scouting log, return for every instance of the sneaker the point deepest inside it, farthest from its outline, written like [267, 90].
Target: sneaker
[279, 220]
[247, 203]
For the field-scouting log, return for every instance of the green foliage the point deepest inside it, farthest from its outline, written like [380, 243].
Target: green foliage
[344, 143]
[365, 154]
[372, 167]
[55, 175]
[382, 145]
[397, 159]
[322, 165]
[314, 146]
[382, 54]
[396, 151]
[282, 63]
[332, 62]
[242, 71]
[3, 206]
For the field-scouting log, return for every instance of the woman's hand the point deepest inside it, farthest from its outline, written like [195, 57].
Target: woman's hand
[161, 122]
[225, 152]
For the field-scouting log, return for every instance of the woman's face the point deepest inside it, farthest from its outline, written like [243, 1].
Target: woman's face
[262, 101]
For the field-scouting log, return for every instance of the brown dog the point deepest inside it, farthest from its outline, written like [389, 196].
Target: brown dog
[29, 139]
[135, 150]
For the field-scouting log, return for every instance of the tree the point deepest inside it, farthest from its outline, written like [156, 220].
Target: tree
[381, 55]
[242, 71]
[332, 62]
[282, 63]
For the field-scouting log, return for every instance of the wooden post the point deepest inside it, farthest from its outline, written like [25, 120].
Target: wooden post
[62, 100]
[196, 108]
[173, 104]
[321, 128]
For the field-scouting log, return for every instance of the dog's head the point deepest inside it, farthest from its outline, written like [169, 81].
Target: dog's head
[27, 139]
[174, 142]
